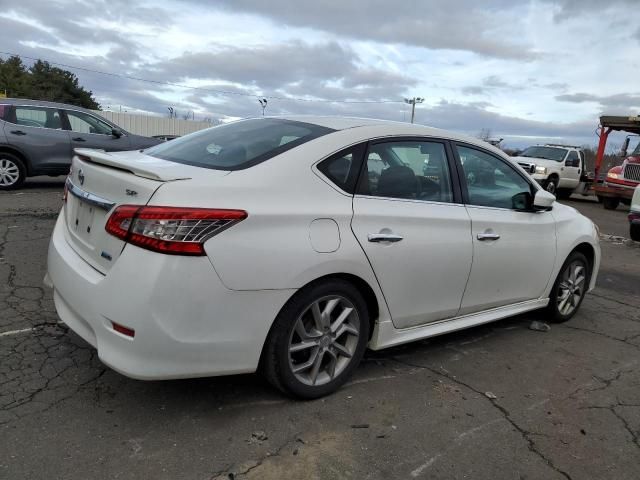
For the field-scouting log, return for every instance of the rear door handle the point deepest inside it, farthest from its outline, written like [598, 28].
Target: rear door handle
[487, 236]
[18, 132]
[78, 139]
[384, 237]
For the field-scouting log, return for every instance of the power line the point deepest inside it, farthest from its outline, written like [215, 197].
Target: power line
[209, 90]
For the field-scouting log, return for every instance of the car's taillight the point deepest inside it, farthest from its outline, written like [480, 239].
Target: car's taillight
[172, 230]
[634, 217]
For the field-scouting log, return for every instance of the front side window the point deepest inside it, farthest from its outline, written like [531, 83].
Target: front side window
[38, 117]
[491, 182]
[238, 145]
[573, 158]
[548, 153]
[85, 123]
[415, 170]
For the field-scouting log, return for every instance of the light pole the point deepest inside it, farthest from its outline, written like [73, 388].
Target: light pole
[412, 102]
[263, 104]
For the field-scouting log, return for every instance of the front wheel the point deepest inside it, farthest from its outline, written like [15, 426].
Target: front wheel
[317, 340]
[551, 185]
[569, 288]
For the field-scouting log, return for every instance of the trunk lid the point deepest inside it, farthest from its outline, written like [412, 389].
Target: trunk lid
[101, 181]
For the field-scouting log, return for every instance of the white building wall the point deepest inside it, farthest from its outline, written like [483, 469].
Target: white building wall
[148, 125]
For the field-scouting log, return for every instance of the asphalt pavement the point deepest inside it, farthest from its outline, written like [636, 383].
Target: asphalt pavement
[496, 401]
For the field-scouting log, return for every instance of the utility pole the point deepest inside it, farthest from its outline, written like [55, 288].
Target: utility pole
[412, 102]
[263, 104]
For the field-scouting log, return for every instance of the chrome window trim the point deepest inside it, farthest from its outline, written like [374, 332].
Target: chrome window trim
[90, 198]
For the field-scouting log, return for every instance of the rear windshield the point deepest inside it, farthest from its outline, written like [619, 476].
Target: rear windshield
[238, 145]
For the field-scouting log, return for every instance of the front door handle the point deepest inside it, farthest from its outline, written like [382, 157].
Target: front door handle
[78, 139]
[384, 237]
[18, 132]
[483, 237]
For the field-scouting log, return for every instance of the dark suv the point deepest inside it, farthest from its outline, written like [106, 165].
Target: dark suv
[38, 138]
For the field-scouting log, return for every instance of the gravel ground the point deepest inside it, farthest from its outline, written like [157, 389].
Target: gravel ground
[497, 401]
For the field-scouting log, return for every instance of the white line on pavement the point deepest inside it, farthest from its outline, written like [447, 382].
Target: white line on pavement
[15, 332]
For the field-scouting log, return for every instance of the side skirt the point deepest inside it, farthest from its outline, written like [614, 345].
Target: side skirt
[385, 335]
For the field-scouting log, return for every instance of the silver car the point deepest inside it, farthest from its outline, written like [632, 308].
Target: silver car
[38, 138]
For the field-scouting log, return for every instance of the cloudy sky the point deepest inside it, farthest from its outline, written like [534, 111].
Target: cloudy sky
[529, 70]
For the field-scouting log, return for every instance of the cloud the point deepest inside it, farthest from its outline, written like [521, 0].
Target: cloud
[622, 103]
[460, 25]
[327, 70]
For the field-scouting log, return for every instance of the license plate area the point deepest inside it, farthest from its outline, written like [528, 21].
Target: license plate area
[81, 220]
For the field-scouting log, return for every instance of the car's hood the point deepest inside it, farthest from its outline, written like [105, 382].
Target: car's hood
[534, 160]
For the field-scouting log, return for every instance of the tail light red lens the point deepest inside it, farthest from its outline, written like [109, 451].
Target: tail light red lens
[171, 230]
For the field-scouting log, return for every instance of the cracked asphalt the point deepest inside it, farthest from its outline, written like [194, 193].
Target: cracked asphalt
[497, 401]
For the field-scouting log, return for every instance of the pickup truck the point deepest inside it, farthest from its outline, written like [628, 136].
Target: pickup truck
[560, 169]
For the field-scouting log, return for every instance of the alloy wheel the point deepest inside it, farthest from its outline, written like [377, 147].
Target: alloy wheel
[324, 340]
[9, 172]
[571, 287]
[551, 187]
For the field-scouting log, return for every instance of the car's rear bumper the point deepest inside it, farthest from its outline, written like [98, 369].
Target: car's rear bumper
[187, 324]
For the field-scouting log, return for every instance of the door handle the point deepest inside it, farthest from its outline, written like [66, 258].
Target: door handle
[78, 139]
[487, 236]
[18, 132]
[384, 237]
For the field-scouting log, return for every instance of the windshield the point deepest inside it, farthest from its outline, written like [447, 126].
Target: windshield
[636, 151]
[238, 145]
[548, 153]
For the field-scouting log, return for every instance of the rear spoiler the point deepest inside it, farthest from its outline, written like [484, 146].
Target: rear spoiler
[140, 165]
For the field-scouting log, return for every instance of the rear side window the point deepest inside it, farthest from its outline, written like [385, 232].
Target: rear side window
[40, 117]
[238, 145]
[343, 167]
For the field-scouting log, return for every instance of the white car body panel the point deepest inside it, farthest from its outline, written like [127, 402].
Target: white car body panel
[210, 315]
[568, 177]
[421, 280]
[523, 237]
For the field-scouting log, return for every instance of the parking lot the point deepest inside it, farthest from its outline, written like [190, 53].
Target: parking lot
[497, 401]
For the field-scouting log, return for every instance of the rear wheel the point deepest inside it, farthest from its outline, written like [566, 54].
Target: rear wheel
[12, 171]
[564, 193]
[634, 232]
[317, 340]
[569, 288]
[610, 203]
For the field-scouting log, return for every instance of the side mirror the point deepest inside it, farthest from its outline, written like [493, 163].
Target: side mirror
[543, 200]
[116, 132]
[625, 147]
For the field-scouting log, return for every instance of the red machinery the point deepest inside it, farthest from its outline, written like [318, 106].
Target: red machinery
[620, 181]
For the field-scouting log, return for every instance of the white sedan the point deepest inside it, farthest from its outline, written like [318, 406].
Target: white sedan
[289, 245]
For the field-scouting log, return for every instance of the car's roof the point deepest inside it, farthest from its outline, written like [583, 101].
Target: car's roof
[41, 103]
[375, 126]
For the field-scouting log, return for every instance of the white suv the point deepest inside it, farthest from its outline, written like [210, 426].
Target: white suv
[558, 168]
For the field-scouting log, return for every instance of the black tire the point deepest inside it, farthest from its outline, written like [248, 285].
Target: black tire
[563, 193]
[600, 199]
[276, 363]
[634, 232]
[554, 310]
[551, 185]
[11, 167]
[610, 203]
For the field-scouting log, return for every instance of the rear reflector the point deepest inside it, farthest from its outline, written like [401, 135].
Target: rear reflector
[129, 332]
[171, 230]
